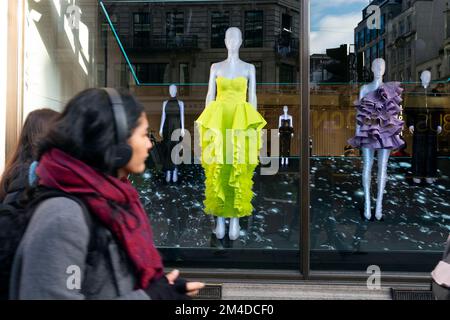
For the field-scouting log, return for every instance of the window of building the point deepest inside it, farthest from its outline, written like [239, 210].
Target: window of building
[141, 28]
[174, 24]
[287, 73]
[367, 58]
[368, 35]
[220, 21]
[408, 51]
[374, 53]
[374, 33]
[363, 38]
[253, 36]
[381, 49]
[383, 24]
[152, 72]
[286, 22]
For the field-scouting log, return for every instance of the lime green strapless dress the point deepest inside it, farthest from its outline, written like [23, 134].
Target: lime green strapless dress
[230, 137]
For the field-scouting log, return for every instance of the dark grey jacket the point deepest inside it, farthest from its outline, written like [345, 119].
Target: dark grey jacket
[55, 250]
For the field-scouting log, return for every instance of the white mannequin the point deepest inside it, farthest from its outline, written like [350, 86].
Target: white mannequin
[285, 116]
[378, 69]
[231, 68]
[425, 77]
[173, 94]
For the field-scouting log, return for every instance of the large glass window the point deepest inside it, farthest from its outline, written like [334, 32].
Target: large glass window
[146, 46]
[380, 199]
[181, 52]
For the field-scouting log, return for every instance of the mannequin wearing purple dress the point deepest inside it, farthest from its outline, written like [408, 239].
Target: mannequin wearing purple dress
[378, 129]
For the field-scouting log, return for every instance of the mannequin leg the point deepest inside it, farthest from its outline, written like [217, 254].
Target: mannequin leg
[168, 176]
[383, 157]
[220, 228]
[282, 161]
[175, 175]
[234, 229]
[286, 161]
[368, 156]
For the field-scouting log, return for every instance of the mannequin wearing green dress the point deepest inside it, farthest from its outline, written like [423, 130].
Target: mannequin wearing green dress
[228, 159]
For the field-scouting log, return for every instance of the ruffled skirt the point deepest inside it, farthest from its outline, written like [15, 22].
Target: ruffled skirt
[230, 138]
[378, 118]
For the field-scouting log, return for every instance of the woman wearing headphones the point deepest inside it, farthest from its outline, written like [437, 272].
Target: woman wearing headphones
[101, 246]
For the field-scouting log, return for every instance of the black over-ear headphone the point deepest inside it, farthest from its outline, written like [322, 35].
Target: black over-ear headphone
[122, 152]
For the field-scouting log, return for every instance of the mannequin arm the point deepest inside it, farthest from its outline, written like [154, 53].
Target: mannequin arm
[279, 121]
[252, 87]
[163, 118]
[211, 85]
[182, 117]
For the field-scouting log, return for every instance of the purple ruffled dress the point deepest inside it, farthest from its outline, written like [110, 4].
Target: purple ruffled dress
[377, 115]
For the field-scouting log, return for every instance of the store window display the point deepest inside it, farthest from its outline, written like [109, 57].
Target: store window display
[378, 130]
[172, 121]
[228, 160]
[286, 133]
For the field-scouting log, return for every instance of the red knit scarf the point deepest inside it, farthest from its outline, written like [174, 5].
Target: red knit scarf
[114, 201]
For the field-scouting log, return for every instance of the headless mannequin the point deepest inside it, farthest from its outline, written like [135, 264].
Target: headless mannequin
[285, 116]
[378, 69]
[231, 68]
[425, 77]
[173, 94]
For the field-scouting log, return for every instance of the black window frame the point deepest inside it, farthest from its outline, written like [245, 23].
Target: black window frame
[141, 37]
[217, 39]
[253, 33]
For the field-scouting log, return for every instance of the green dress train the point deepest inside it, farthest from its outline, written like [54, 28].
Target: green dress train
[230, 137]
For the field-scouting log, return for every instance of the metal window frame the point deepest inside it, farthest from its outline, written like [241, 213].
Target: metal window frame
[304, 273]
